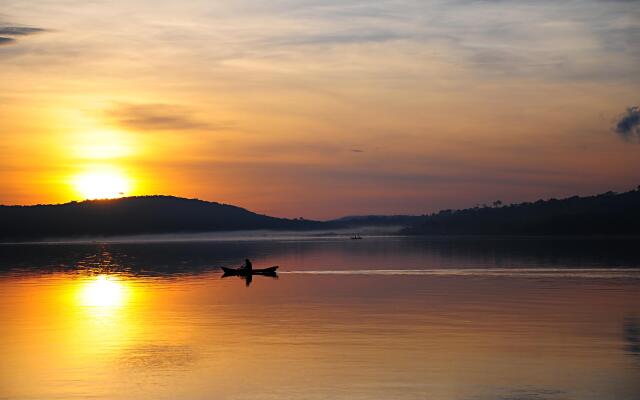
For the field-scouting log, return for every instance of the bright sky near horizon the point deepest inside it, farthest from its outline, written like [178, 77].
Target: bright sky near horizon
[319, 108]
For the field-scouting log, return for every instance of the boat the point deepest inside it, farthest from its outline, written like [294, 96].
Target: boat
[356, 237]
[255, 271]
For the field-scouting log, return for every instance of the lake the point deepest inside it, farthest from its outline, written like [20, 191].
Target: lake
[379, 318]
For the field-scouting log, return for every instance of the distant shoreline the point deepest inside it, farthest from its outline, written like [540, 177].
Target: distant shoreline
[608, 215]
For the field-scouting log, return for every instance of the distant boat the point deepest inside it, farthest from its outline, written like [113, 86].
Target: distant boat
[356, 237]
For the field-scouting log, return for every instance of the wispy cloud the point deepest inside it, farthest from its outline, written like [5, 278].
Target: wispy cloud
[20, 30]
[6, 40]
[160, 117]
[7, 33]
[371, 36]
[628, 125]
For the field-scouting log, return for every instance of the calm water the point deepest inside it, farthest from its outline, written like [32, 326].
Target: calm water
[379, 318]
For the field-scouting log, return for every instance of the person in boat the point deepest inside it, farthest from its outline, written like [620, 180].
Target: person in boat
[247, 265]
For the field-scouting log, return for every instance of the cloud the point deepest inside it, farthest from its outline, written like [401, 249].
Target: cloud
[6, 40]
[348, 37]
[19, 30]
[6, 31]
[628, 126]
[357, 151]
[159, 117]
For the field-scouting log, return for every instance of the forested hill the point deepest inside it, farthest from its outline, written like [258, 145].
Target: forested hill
[604, 214]
[134, 215]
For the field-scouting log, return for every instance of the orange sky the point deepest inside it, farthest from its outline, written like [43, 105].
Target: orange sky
[317, 109]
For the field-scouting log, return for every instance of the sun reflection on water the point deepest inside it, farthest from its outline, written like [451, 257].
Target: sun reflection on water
[103, 291]
[103, 321]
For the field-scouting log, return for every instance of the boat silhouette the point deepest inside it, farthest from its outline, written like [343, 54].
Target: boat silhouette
[271, 271]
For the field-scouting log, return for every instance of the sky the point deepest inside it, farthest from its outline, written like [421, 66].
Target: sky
[319, 109]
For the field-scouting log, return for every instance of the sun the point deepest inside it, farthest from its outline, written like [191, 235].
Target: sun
[102, 185]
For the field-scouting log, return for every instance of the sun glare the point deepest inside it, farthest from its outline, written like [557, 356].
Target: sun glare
[103, 291]
[102, 185]
[103, 145]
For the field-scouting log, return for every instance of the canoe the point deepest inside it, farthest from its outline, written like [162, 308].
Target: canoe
[255, 271]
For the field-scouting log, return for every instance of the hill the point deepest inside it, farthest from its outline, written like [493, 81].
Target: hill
[134, 215]
[604, 214]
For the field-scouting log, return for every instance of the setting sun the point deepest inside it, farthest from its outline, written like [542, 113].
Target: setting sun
[102, 185]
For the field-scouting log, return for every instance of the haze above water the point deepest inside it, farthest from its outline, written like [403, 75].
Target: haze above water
[378, 318]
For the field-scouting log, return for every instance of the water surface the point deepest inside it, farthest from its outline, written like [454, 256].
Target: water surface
[379, 318]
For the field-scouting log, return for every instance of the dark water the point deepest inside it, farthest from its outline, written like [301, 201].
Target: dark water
[378, 318]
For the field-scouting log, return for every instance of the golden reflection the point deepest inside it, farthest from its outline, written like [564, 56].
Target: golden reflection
[102, 184]
[103, 291]
[104, 314]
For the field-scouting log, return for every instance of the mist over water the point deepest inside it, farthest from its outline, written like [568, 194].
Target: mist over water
[378, 318]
